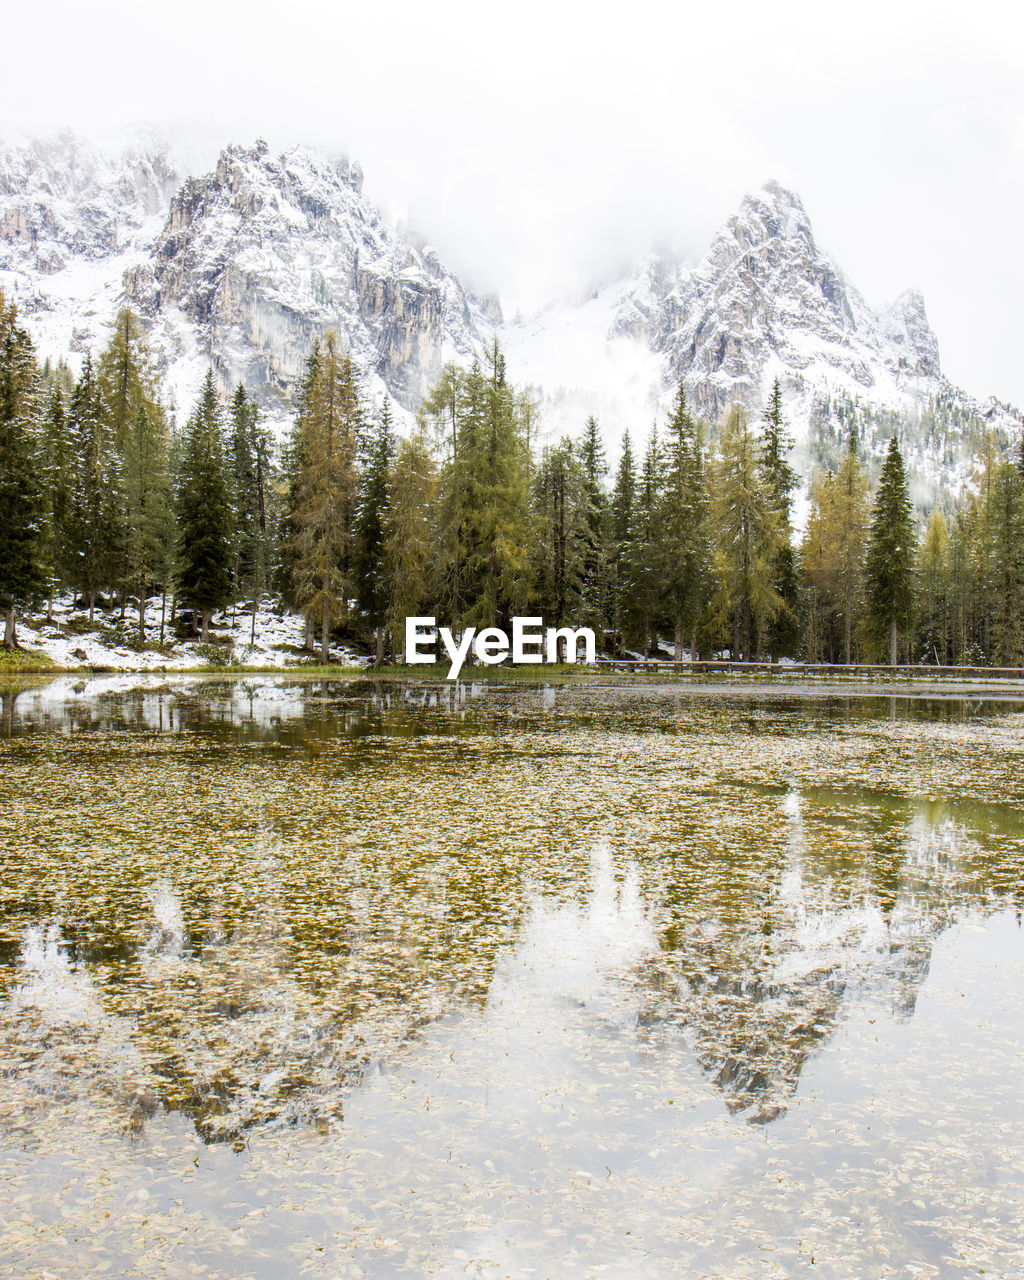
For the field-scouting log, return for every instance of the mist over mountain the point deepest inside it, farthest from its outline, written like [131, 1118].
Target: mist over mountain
[243, 266]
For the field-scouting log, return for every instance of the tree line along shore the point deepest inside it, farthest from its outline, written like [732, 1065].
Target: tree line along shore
[466, 517]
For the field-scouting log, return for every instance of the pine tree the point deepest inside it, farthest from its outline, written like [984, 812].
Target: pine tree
[1006, 516]
[125, 378]
[562, 533]
[747, 525]
[782, 633]
[595, 590]
[22, 500]
[683, 546]
[933, 611]
[371, 582]
[963, 595]
[484, 534]
[410, 522]
[891, 552]
[323, 499]
[832, 558]
[641, 590]
[252, 489]
[204, 512]
[621, 521]
[60, 475]
[149, 519]
[98, 503]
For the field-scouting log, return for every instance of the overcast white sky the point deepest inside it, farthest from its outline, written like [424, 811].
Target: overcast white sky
[541, 145]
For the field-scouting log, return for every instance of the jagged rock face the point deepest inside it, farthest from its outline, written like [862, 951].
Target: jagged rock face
[245, 266]
[765, 298]
[265, 254]
[242, 268]
[62, 199]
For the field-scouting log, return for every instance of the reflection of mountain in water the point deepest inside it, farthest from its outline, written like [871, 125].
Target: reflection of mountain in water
[155, 951]
[756, 995]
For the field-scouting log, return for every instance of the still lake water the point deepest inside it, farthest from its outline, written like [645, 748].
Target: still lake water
[336, 979]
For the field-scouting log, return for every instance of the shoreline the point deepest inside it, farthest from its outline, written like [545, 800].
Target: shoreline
[781, 683]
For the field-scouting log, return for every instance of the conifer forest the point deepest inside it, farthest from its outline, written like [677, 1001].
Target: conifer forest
[689, 542]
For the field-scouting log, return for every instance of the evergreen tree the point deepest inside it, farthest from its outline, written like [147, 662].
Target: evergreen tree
[683, 545]
[891, 551]
[1006, 517]
[641, 588]
[252, 488]
[484, 532]
[621, 522]
[595, 588]
[22, 499]
[747, 525]
[323, 499]
[98, 503]
[782, 632]
[963, 599]
[410, 522]
[60, 475]
[204, 512]
[371, 582]
[149, 519]
[933, 611]
[125, 378]
[562, 534]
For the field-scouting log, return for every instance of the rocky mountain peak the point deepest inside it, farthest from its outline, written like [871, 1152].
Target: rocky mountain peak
[771, 215]
[266, 252]
[765, 302]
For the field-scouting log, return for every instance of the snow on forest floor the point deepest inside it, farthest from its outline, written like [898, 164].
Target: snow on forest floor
[70, 641]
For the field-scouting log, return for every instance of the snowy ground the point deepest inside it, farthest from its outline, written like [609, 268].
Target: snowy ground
[71, 643]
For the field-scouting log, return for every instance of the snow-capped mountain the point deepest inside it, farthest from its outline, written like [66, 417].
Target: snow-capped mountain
[73, 218]
[243, 266]
[261, 256]
[765, 302]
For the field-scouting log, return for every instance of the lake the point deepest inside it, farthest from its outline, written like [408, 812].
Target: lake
[386, 979]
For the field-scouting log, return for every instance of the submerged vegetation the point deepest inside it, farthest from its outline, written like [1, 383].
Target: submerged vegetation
[377, 977]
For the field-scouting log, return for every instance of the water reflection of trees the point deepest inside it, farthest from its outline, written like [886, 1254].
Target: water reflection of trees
[296, 971]
[851, 908]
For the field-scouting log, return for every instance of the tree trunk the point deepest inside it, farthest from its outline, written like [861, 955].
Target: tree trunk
[693, 642]
[892, 643]
[325, 641]
[92, 604]
[849, 630]
[380, 647]
[142, 616]
[206, 626]
[10, 632]
[310, 624]
[252, 631]
[163, 615]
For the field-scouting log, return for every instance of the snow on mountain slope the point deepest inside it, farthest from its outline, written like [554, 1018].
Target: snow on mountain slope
[73, 218]
[765, 302]
[266, 253]
[244, 265]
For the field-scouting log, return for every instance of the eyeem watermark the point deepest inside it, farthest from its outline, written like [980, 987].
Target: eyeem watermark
[530, 642]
